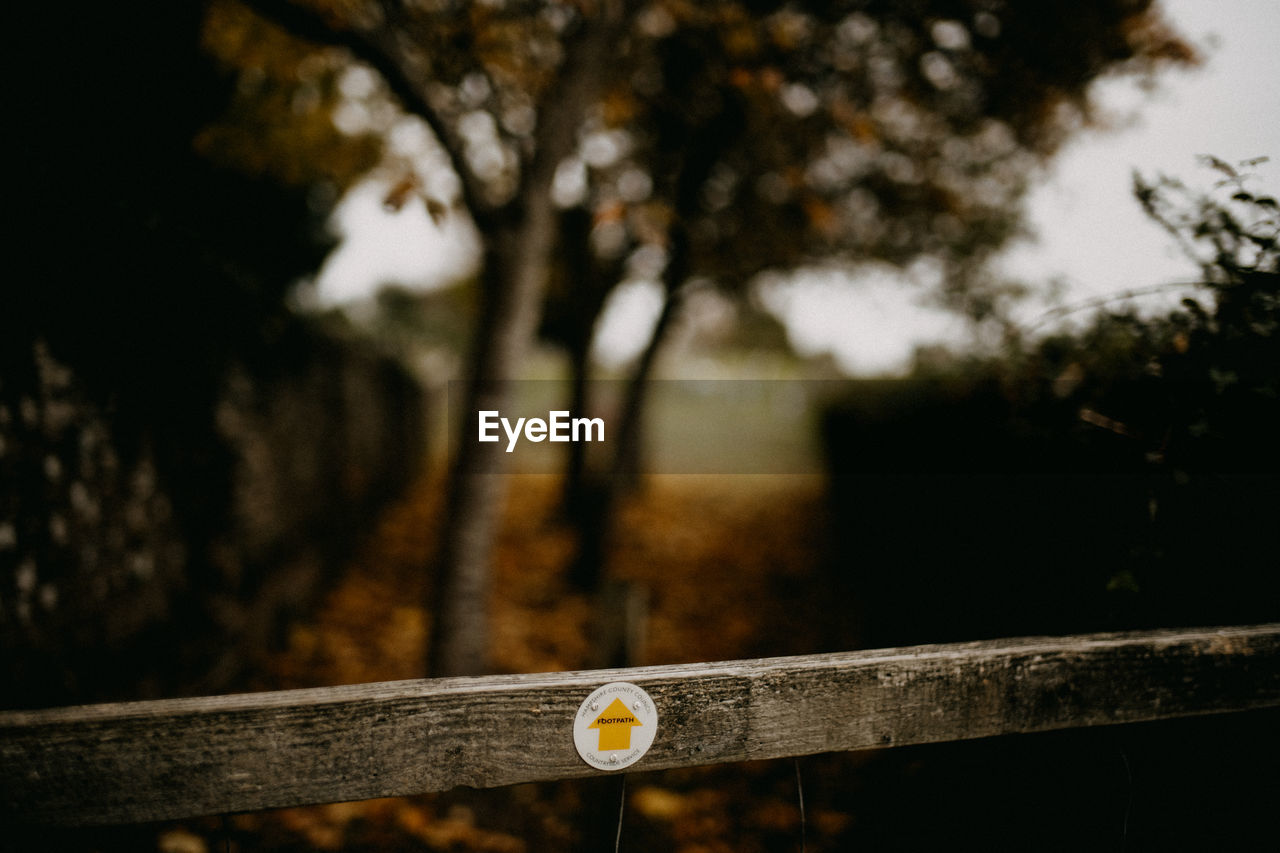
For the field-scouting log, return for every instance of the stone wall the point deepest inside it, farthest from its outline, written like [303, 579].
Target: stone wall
[125, 573]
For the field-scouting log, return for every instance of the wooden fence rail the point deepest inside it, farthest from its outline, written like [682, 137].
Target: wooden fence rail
[143, 761]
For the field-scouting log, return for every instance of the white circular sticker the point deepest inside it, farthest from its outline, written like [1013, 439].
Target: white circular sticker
[615, 726]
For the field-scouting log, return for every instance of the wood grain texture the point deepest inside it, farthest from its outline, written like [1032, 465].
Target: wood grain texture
[136, 762]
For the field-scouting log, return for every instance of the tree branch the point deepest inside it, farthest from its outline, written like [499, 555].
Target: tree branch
[376, 48]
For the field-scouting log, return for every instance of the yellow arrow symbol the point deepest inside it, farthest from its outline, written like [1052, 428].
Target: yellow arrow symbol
[615, 724]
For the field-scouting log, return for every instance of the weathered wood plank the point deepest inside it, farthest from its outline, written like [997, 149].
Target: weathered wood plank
[135, 762]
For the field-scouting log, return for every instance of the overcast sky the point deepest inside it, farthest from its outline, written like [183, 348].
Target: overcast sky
[1092, 236]
[1092, 232]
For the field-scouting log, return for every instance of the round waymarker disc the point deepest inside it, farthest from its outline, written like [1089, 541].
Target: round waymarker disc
[615, 726]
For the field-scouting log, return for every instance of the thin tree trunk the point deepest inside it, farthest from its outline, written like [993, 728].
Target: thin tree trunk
[585, 288]
[603, 494]
[573, 493]
[626, 462]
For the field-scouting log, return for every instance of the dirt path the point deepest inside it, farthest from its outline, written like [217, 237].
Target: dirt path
[723, 560]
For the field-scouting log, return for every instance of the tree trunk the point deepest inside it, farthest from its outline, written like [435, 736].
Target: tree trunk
[692, 155]
[513, 282]
[517, 258]
[573, 489]
[603, 493]
[587, 284]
